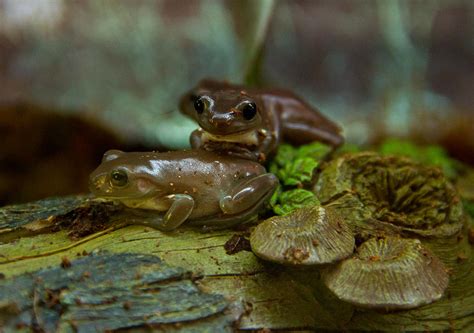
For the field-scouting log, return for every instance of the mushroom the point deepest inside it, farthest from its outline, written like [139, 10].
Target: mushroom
[391, 195]
[307, 236]
[388, 273]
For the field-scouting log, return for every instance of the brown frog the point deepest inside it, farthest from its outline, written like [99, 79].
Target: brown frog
[197, 186]
[250, 123]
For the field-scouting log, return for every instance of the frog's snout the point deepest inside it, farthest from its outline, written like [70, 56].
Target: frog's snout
[221, 120]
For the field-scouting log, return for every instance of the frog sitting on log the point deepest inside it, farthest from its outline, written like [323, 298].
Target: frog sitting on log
[250, 123]
[197, 186]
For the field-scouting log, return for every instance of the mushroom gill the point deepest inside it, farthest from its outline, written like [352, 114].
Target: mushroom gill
[307, 236]
[391, 194]
[388, 273]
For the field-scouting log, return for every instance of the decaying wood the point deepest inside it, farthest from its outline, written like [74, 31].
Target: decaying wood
[272, 296]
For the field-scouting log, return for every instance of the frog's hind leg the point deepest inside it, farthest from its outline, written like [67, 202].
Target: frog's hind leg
[301, 124]
[304, 132]
[250, 193]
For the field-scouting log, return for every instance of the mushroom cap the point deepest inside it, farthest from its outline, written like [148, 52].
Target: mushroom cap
[307, 236]
[389, 273]
[391, 194]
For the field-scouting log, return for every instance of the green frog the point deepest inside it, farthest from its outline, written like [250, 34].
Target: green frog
[197, 186]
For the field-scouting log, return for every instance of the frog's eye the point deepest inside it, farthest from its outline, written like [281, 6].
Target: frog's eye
[119, 178]
[199, 104]
[249, 110]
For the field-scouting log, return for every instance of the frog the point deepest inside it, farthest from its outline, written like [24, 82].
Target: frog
[193, 186]
[251, 122]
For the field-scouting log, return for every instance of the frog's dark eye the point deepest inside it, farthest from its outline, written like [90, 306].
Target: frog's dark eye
[119, 178]
[199, 105]
[249, 110]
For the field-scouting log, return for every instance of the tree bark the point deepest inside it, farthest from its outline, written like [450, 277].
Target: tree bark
[273, 296]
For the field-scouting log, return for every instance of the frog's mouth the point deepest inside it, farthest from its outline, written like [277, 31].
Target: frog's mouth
[99, 186]
[248, 138]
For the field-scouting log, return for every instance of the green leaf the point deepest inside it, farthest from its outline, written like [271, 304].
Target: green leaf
[294, 166]
[298, 171]
[316, 150]
[284, 154]
[293, 199]
[275, 196]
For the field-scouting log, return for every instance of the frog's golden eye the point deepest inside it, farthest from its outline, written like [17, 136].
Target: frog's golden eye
[249, 110]
[118, 178]
[199, 105]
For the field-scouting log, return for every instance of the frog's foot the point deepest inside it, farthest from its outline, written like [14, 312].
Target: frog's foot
[249, 193]
[181, 206]
[196, 139]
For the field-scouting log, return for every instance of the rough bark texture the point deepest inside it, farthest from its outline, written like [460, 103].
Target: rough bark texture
[273, 296]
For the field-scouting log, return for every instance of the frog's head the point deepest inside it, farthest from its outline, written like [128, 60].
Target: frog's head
[221, 109]
[122, 176]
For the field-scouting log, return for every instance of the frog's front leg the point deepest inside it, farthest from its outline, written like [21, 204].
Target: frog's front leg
[181, 206]
[268, 145]
[196, 139]
[249, 193]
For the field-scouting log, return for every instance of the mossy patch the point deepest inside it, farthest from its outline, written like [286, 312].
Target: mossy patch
[295, 168]
[428, 155]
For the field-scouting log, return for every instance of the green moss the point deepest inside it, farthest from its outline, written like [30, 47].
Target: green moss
[294, 167]
[348, 148]
[428, 155]
[287, 201]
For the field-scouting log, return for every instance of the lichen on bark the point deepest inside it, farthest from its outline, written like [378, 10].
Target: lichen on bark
[103, 292]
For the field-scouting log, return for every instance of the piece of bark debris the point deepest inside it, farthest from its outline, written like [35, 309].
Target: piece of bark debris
[86, 220]
[236, 244]
[65, 262]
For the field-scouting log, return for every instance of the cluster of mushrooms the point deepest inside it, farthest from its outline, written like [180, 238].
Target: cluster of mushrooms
[370, 235]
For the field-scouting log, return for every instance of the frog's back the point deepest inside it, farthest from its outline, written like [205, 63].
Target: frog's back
[206, 176]
[199, 162]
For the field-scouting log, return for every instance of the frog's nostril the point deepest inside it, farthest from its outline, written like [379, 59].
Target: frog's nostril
[221, 120]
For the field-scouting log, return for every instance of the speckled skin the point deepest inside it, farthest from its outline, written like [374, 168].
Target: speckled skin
[281, 115]
[199, 186]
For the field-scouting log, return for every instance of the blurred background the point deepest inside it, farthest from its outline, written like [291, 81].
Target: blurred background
[80, 77]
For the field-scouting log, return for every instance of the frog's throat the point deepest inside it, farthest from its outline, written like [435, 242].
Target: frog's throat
[138, 197]
[149, 203]
[248, 137]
